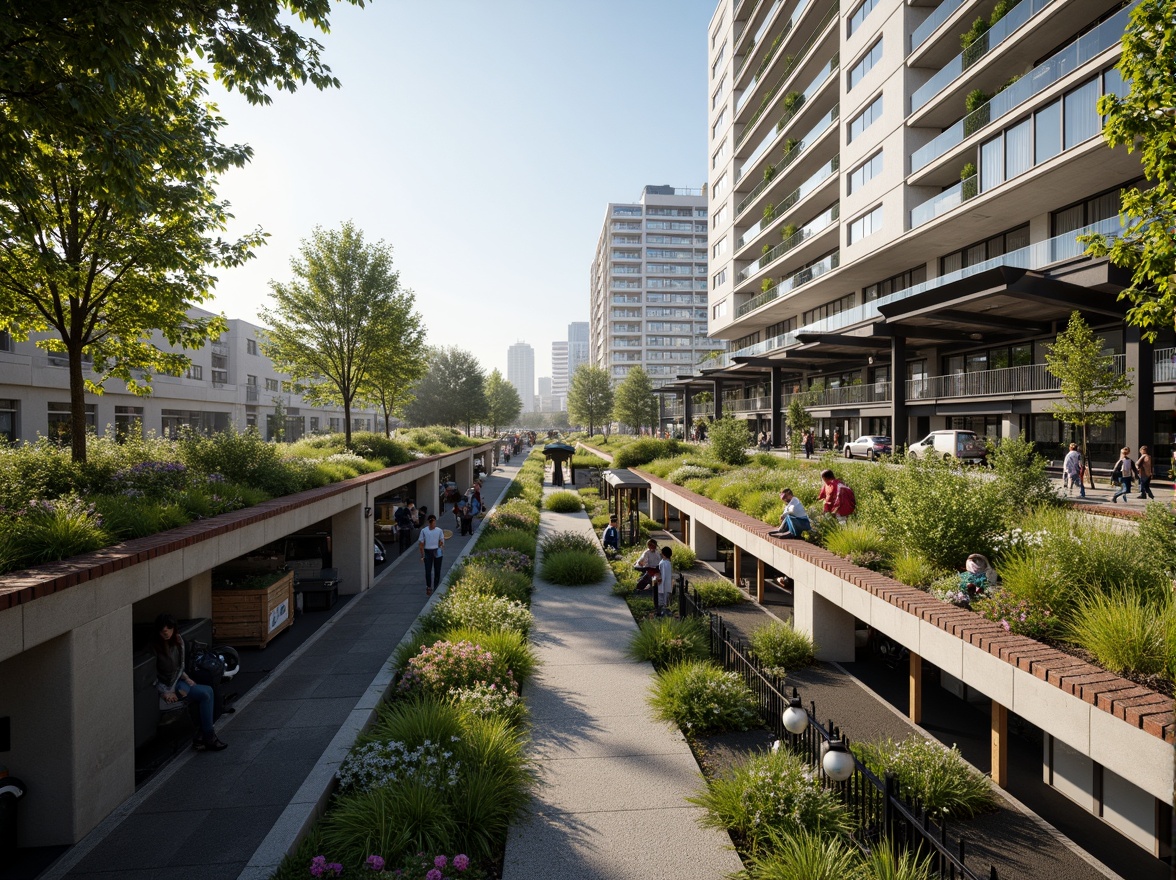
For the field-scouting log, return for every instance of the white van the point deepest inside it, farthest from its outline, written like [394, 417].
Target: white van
[964, 445]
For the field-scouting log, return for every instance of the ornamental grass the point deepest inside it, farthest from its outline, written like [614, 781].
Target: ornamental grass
[563, 502]
[716, 594]
[780, 647]
[573, 568]
[700, 698]
[666, 641]
[938, 776]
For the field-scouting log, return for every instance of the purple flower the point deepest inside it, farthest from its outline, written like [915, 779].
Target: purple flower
[335, 868]
[461, 862]
[318, 866]
[441, 862]
[375, 863]
[434, 874]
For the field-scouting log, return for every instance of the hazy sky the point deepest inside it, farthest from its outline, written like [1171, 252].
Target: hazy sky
[482, 140]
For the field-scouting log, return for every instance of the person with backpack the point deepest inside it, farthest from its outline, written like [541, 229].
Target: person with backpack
[174, 684]
[837, 497]
[1123, 474]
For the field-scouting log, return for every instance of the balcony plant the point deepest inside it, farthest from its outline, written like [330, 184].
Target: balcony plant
[769, 173]
[769, 213]
[973, 122]
[789, 230]
[971, 184]
[767, 284]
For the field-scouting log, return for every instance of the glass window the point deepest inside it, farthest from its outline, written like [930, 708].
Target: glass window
[866, 118]
[865, 64]
[1069, 219]
[952, 262]
[251, 346]
[1018, 149]
[865, 172]
[195, 371]
[60, 426]
[719, 124]
[8, 410]
[1047, 141]
[1022, 355]
[991, 163]
[867, 224]
[998, 359]
[859, 15]
[1082, 121]
[1113, 83]
[1017, 239]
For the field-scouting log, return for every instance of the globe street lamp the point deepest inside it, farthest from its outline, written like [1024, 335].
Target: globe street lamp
[838, 761]
[795, 718]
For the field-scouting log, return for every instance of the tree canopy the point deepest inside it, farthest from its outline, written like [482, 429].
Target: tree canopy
[1145, 120]
[333, 326]
[634, 403]
[590, 396]
[101, 273]
[452, 391]
[503, 404]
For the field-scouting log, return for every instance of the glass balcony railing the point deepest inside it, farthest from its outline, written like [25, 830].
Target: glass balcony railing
[993, 37]
[786, 72]
[818, 224]
[953, 197]
[822, 174]
[748, 404]
[931, 24]
[827, 72]
[792, 282]
[827, 121]
[1035, 256]
[1044, 75]
[756, 45]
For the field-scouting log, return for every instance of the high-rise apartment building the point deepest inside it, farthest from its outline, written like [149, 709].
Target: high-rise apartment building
[520, 372]
[893, 221]
[648, 285]
[543, 401]
[578, 346]
[559, 374]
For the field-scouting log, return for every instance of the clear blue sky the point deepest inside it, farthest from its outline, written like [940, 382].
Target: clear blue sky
[482, 140]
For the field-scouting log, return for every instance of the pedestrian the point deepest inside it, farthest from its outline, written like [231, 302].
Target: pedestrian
[465, 517]
[838, 498]
[1123, 474]
[432, 545]
[1072, 471]
[808, 444]
[665, 581]
[648, 563]
[404, 525]
[611, 539]
[1146, 469]
[794, 521]
[174, 684]
[837, 439]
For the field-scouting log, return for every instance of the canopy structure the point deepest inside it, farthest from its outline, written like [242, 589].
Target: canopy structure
[560, 454]
[624, 490]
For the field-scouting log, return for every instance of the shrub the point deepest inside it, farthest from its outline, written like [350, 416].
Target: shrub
[728, 439]
[859, 542]
[770, 794]
[511, 656]
[805, 855]
[915, 570]
[564, 502]
[245, 459]
[1021, 481]
[494, 582]
[713, 594]
[506, 548]
[1020, 616]
[380, 448]
[939, 777]
[1157, 539]
[376, 764]
[571, 568]
[450, 664]
[682, 557]
[467, 608]
[395, 820]
[1123, 631]
[513, 515]
[680, 475]
[701, 698]
[667, 641]
[780, 647]
[559, 542]
[641, 452]
[45, 531]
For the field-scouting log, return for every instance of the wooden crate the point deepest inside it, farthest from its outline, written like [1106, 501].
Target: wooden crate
[253, 617]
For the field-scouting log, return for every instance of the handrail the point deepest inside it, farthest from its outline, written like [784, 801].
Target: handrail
[799, 278]
[818, 82]
[820, 176]
[818, 130]
[1023, 379]
[818, 224]
[932, 22]
[952, 197]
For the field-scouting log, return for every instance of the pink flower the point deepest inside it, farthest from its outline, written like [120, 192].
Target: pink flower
[433, 874]
[441, 862]
[461, 862]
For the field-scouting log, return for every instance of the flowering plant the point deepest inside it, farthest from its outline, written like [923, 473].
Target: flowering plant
[486, 699]
[443, 666]
[320, 867]
[501, 558]
[421, 867]
[485, 612]
[151, 478]
[383, 763]
[1018, 616]
[962, 590]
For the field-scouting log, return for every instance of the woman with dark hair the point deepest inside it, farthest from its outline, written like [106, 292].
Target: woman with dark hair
[174, 684]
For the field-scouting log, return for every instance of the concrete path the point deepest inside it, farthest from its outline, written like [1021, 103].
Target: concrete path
[219, 816]
[612, 802]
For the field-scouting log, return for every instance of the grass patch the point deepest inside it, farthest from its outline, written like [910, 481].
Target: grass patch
[563, 502]
[682, 557]
[780, 647]
[573, 568]
[715, 594]
[1123, 631]
[667, 641]
[939, 777]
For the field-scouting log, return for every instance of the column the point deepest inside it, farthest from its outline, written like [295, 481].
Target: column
[777, 406]
[351, 548]
[915, 705]
[718, 400]
[687, 411]
[1000, 745]
[702, 541]
[463, 473]
[759, 580]
[830, 626]
[899, 427]
[1141, 408]
[737, 564]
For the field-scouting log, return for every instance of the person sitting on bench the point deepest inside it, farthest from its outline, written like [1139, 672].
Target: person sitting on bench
[647, 563]
[173, 682]
[794, 520]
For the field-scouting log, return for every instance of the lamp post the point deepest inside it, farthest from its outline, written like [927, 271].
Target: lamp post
[838, 761]
[795, 718]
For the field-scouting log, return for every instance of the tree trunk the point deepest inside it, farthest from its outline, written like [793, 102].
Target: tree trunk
[77, 405]
[1086, 458]
[347, 423]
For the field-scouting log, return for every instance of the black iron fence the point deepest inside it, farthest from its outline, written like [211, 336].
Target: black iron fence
[878, 806]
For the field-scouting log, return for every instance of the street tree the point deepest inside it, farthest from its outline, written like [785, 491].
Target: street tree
[452, 391]
[68, 68]
[1145, 120]
[798, 419]
[398, 367]
[503, 403]
[634, 403]
[590, 396]
[110, 278]
[729, 439]
[342, 312]
[1090, 382]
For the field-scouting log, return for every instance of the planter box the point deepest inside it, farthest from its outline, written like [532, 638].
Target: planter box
[251, 617]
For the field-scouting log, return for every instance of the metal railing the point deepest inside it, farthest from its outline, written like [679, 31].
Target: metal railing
[820, 176]
[817, 225]
[952, 197]
[1044, 75]
[749, 404]
[1024, 379]
[798, 279]
[1165, 365]
[932, 22]
[877, 806]
[823, 125]
[826, 73]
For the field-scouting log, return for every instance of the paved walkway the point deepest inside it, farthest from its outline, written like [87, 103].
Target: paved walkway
[612, 804]
[234, 813]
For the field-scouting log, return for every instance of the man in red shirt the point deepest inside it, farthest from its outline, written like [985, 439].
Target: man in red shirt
[835, 496]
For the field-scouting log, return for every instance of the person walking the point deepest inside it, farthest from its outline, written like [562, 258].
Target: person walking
[1146, 469]
[1072, 471]
[665, 581]
[404, 526]
[794, 520]
[808, 444]
[432, 545]
[1124, 473]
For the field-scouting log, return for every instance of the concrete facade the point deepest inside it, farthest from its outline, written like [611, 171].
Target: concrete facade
[520, 372]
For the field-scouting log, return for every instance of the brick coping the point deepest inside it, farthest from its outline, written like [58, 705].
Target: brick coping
[1124, 699]
[21, 587]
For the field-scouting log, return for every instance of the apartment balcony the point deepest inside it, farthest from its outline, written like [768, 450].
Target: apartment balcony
[1165, 365]
[799, 65]
[758, 24]
[791, 283]
[748, 405]
[672, 408]
[1005, 382]
[821, 186]
[802, 148]
[1029, 31]
[932, 23]
[843, 395]
[952, 197]
[1085, 49]
[812, 231]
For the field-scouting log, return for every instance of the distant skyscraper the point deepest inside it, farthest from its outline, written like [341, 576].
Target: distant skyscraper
[520, 372]
[578, 337]
[559, 374]
[543, 401]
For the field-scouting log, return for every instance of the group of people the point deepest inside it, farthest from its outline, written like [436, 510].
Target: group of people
[468, 507]
[835, 498]
[656, 566]
[1125, 473]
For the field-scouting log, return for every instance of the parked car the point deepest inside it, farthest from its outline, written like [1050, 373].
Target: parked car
[868, 446]
[962, 445]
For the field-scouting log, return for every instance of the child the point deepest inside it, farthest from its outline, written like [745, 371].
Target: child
[665, 584]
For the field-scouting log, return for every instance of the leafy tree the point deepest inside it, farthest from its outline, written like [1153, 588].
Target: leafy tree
[634, 403]
[341, 313]
[451, 392]
[278, 423]
[69, 67]
[1144, 120]
[729, 439]
[391, 378]
[100, 272]
[503, 403]
[590, 396]
[798, 419]
[1089, 380]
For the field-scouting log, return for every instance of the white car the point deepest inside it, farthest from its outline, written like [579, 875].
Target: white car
[868, 446]
[962, 445]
